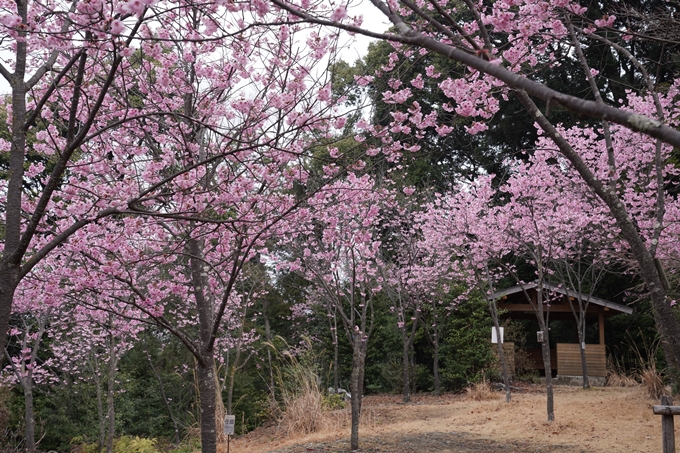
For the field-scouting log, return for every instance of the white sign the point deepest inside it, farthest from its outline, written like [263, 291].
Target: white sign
[493, 335]
[229, 423]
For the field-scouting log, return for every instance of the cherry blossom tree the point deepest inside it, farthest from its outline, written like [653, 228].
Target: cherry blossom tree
[586, 238]
[410, 279]
[96, 85]
[505, 46]
[173, 138]
[32, 314]
[462, 232]
[339, 252]
[51, 337]
[89, 347]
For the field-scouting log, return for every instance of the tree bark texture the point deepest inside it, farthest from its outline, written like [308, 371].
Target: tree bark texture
[29, 418]
[11, 258]
[584, 367]
[406, 372]
[336, 354]
[8, 284]
[110, 409]
[545, 352]
[435, 366]
[336, 359]
[206, 388]
[100, 406]
[357, 387]
[206, 362]
[582, 348]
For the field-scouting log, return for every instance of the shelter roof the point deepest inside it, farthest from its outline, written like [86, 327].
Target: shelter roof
[566, 292]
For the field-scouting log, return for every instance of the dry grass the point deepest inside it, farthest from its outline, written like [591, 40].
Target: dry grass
[481, 391]
[617, 375]
[596, 420]
[652, 382]
[299, 407]
[616, 379]
[304, 414]
[648, 374]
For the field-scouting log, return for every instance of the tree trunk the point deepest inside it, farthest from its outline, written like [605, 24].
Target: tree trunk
[206, 388]
[100, 406]
[405, 359]
[28, 416]
[8, 284]
[545, 347]
[545, 350]
[230, 389]
[582, 348]
[501, 352]
[435, 366]
[412, 365]
[669, 330]
[336, 354]
[268, 336]
[336, 358]
[10, 261]
[111, 418]
[220, 410]
[206, 361]
[110, 410]
[584, 366]
[357, 384]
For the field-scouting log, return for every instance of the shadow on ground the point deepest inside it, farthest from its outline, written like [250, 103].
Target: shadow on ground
[427, 443]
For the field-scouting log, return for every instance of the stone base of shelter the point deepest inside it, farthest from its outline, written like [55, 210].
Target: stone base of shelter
[577, 381]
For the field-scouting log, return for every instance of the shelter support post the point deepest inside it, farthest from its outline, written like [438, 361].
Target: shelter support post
[600, 322]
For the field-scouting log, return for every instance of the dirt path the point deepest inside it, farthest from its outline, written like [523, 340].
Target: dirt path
[596, 420]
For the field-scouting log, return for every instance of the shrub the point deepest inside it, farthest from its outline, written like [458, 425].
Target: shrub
[333, 401]
[466, 350]
[123, 444]
[129, 444]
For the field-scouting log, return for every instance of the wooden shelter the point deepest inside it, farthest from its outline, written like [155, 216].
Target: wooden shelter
[565, 358]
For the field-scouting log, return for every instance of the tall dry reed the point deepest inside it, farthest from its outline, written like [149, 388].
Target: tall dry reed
[298, 407]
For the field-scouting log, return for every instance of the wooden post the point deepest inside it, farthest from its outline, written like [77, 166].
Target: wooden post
[600, 322]
[667, 429]
[667, 411]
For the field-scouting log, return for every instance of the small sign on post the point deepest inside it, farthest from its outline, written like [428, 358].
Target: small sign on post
[539, 336]
[494, 337]
[229, 423]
